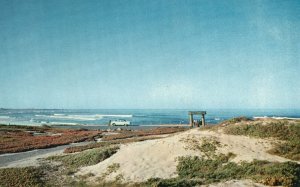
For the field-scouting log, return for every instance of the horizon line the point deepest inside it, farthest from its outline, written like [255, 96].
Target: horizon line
[208, 108]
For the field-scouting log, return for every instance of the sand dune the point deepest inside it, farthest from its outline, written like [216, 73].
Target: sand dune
[157, 158]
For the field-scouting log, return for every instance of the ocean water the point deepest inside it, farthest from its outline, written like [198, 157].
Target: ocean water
[138, 117]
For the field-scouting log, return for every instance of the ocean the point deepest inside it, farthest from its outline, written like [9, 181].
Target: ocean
[99, 118]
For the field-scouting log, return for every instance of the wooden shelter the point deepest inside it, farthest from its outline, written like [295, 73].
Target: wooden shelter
[192, 113]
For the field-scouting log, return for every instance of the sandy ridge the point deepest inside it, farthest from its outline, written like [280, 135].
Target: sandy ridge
[140, 161]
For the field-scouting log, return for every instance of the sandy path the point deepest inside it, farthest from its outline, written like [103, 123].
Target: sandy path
[30, 158]
[157, 158]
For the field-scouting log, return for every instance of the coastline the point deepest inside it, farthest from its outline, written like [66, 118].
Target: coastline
[91, 118]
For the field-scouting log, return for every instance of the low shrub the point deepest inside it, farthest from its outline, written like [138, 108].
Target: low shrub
[236, 120]
[14, 177]
[85, 158]
[282, 130]
[289, 149]
[205, 145]
[193, 170]
[17, 139]
[173, 182]
[268, 173]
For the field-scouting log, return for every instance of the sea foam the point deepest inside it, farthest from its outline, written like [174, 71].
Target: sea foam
[86, 117]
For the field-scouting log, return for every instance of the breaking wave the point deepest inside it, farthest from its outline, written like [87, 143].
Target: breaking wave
[83, 117]
[273, 117]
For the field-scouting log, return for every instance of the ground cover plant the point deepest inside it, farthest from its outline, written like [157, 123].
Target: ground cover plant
[19, 138]
[52, 174]
[193, 170]
[286, 131]
[237, 120]
[59, 170]
[125, 137]
[24, 127]
[28, 176]
[212, 167]
[209, 168]
[146, 132]
[85, 158]
[219, 169]
[206, 145]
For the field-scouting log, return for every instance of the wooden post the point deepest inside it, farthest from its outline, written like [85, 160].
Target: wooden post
[191, 120]
[203, 120]
[191, 113]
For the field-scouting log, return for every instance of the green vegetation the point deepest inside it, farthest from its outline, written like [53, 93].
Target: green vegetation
[287, 174]
[111, 169]
[24, 127]
[174, 182]
[236, 120]
[85, 158]
[56, 175]
[282, 130]
[28, 176]
[209, 147]
[205, 145]
[217, 167]
[192, 170]
[290, 149]
[196, 171]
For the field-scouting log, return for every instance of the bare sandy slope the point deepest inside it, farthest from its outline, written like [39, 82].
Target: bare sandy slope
[157, 158]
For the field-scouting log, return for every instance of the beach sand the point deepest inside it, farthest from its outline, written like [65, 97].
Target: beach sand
[157, 158]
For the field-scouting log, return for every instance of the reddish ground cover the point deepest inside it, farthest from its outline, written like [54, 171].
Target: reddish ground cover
[17, 139]
[127, 136]
[147, 132]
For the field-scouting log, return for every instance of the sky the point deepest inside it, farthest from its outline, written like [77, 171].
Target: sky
[149, 54]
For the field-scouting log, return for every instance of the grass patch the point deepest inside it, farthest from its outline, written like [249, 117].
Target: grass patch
[236, 120]
[28, 176]
[205, 145]
[268, 173]
[111, 169]
[290, 149]
[62, 175]
[193, 170]
[24, 127]
[282, 130]
[174, 182]
[209, 147]
[85, 158]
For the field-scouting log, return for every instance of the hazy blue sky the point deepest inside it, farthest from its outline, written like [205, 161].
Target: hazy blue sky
[149, 54]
